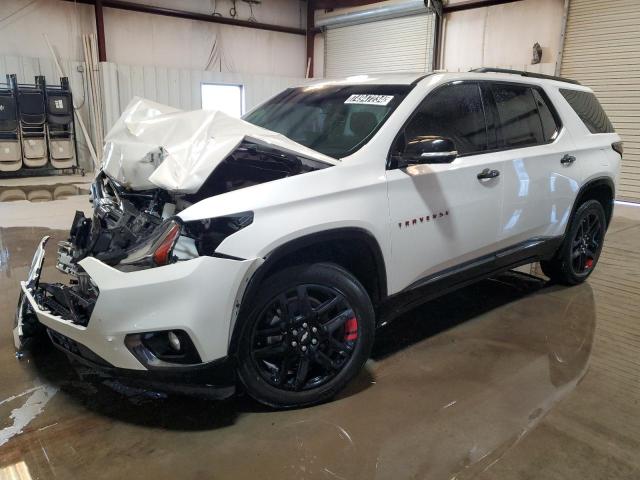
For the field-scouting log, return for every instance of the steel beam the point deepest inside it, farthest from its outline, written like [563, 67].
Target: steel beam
[203, 17]
[471, 4]
[102, 49]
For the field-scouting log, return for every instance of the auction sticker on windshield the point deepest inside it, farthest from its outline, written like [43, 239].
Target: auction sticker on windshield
[368, 99]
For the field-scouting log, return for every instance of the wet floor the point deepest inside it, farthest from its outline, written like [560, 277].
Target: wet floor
[509, 378]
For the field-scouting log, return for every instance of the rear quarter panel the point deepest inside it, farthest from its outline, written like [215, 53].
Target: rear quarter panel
[595, 158]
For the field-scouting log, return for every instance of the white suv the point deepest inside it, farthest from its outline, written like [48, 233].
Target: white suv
[260, 251]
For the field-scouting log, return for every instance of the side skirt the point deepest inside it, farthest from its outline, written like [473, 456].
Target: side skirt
[441, 283]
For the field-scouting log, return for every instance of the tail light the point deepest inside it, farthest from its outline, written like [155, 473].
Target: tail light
[618, 147]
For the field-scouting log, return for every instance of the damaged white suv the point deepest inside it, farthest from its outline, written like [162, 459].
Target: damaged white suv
[264, 252]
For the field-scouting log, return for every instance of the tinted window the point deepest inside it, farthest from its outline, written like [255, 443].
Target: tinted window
[550, 127]
[588, 108]
[520, 122]
[335, 121]
[455, 112]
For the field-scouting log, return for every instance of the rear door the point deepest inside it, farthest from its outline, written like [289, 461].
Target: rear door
[442, 214]
[538, 170]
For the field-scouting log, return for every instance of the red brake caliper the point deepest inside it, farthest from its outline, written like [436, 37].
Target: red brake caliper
[351, 329]
[589, 263]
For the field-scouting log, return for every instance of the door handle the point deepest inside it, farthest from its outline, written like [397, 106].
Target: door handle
[486, 173]
[567, 159]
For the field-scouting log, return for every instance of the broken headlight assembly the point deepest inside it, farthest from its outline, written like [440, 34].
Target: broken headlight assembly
[209, 233]
[174, 240]
[156, 250]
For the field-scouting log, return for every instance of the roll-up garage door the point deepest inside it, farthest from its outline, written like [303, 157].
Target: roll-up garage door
[402, 44]
[602, 51]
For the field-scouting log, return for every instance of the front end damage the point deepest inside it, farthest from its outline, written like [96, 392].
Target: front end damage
[148, 295]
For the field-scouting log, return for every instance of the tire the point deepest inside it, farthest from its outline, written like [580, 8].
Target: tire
[295, 353]
[580, 251]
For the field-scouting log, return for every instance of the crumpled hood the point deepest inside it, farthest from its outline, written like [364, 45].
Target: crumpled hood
[193, 144]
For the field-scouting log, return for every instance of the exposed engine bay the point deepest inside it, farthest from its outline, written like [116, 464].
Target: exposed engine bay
[138, 229]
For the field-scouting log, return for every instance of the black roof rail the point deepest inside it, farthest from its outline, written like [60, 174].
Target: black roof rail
[524, 74]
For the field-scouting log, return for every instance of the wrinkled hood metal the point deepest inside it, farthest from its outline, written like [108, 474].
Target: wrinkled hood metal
[193, 144]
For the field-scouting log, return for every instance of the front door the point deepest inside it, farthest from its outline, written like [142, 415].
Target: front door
[443, 214]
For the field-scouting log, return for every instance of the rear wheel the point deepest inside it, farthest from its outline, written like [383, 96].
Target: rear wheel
[309, 333]
[581, 249]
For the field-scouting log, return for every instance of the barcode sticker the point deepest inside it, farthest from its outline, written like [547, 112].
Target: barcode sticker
[369, 99]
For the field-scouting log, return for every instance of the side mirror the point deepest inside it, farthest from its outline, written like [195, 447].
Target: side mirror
[423, 149]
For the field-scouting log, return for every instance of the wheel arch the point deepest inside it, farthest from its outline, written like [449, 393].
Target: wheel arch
[601, 189]
[353, 248]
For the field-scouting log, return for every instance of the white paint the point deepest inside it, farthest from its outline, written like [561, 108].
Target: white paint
[503, 35]
[358, 192]
[22, 416]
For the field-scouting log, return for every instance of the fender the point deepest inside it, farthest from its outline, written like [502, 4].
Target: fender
[593, 183]
[283, 251]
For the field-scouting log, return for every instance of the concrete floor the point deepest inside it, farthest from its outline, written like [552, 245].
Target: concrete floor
[507, 379]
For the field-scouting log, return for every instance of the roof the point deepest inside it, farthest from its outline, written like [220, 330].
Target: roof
[413, 77]
[372, 79]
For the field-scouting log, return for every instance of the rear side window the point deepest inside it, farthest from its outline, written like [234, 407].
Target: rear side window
[586, 105]
[550, 126]
[453, 111]
[520, 122]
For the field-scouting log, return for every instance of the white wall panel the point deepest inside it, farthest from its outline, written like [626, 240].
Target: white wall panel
[502, 34]
[395, 45]
[178, 87]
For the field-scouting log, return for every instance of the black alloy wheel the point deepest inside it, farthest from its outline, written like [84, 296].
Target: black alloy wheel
[308, 334]
[304, 337]
[578, 256]
[586, 243]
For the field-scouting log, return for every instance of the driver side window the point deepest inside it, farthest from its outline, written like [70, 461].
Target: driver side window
[455, 112]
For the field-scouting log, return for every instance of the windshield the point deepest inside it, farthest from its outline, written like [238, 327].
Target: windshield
[335, 121]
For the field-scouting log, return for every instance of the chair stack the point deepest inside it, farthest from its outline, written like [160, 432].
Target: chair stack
[59, 109]
[10, 151]
[37, 129]
[32, 115]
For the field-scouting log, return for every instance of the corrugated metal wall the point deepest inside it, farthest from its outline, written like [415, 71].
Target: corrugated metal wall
[179, 88]
[602, 51]
[396, 45]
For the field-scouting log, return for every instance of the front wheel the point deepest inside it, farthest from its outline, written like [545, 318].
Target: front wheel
[581, 249]
[309, 333]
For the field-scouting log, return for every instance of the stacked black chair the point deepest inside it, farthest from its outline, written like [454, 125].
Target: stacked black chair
[32, 118]
[10, 149]
[60, 126]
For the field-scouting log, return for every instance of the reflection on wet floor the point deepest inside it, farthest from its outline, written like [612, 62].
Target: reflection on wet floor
[454, 389]
[41, 193]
